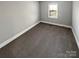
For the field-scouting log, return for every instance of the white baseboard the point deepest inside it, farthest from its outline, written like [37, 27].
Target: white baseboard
[56, 24]
[17, 35]
[27, 29]
[76, 38]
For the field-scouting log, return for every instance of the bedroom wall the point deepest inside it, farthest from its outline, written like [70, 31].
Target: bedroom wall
[16, 17]
[75, 21]
[64, 12]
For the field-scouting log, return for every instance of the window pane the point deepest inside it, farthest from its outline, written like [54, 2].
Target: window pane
[53, 10]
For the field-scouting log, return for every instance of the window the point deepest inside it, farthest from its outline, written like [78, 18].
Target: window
[53, 11]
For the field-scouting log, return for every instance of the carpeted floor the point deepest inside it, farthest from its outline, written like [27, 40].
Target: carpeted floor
[44, 40]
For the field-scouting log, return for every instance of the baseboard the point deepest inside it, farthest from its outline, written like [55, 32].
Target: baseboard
[76, 38]
[17, 35]
[56, 24]
[27, 29]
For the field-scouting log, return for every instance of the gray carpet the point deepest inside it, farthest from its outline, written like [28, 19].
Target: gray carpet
[42, 41]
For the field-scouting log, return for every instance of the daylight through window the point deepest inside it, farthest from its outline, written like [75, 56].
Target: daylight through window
[53, 10]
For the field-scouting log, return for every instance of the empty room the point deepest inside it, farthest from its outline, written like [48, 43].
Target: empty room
[39, 29]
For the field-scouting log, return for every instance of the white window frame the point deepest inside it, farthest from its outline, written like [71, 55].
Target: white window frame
[57, 10]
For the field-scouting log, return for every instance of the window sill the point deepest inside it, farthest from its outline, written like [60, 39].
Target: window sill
[52, 17]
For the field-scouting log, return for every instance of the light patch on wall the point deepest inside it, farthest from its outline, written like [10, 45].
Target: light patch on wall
[53, 11]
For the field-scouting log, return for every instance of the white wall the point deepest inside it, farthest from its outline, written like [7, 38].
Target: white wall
[16, 16]
[75, 21]
[64, 12]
